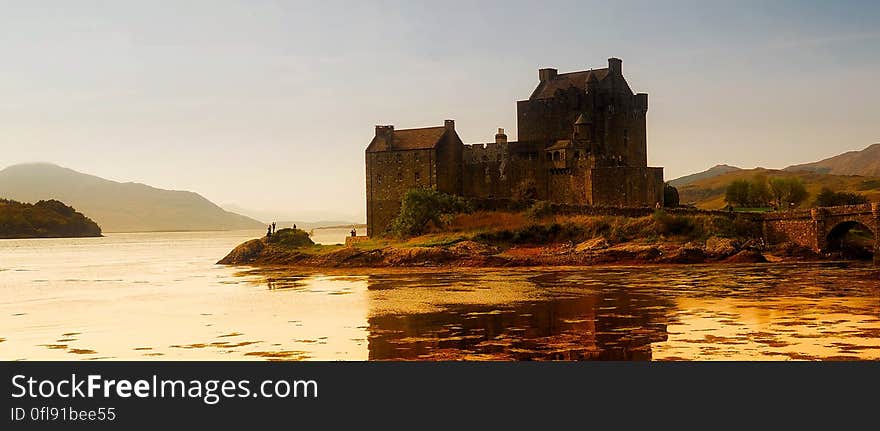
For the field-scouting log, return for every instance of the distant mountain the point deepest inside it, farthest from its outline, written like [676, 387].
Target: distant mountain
[119, 207]
[709, 193]
[712, 172]
[44, 219]
[311, 219]
[865, 162]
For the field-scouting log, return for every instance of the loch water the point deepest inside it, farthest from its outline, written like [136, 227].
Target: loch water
[139, 296]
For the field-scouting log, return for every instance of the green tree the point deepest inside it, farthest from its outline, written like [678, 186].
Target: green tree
[737, 193]
[670, 196]
[830, 198]
[422, 206]
[759, 192]
[788, 192]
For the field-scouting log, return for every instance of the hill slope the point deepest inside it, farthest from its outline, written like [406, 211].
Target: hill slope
[865, 162]
[44, 219]
[709, 193]
[712, 172]
[119, 207]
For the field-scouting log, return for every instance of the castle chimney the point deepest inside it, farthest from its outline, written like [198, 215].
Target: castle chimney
[386, 133]
[500, 137]
[615, 66]
[449, 124]
[546, 74]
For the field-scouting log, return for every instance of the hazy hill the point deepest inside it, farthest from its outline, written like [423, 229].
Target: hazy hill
[118, 207]
[712, 172]
[709, 193]
[308, 218]
[44, 219]
[865, 162]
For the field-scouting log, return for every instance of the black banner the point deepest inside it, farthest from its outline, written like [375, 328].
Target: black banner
[378, 395]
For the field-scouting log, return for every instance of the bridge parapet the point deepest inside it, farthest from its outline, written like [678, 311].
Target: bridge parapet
[849, 209]
[813, 228]
[788, 215]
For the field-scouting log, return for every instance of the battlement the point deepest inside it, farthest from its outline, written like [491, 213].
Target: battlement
[485, 153]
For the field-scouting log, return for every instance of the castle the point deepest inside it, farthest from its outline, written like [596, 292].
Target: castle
[582, 141]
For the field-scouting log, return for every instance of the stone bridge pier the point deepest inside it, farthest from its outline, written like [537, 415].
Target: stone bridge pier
[820, 229]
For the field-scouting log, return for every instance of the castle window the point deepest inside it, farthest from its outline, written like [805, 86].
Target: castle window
[556, 155]
[400, 176]
[418, 177]
[398, 157]
[577, 155]
[378, 178]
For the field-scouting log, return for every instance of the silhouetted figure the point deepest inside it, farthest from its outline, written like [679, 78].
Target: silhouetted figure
[269, 231]
[353, 232]
[273, 227]
[294, 225]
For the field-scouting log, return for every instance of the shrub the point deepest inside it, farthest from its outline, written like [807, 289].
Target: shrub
[830, 198]
[291, 238]
[670, 196]
[420, 207]
[667, 224]
[539, 210]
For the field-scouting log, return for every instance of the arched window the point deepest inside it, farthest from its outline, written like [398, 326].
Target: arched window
[556, 155]
[378, 178]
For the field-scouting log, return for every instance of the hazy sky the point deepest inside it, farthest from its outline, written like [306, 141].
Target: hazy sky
[270, 104]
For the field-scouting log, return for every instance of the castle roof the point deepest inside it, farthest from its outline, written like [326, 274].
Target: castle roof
[559, 145]
[563, 81]
[418, 139]
[410, 139]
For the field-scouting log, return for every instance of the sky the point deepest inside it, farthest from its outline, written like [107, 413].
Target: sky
[269, 105]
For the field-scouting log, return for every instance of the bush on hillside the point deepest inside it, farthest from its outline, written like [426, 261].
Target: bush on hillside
[291, 238]
[421, 207]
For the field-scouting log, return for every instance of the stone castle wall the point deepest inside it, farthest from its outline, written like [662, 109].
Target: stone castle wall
[389, 176]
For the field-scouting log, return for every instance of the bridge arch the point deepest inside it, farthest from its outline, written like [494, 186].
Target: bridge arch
[837, 234]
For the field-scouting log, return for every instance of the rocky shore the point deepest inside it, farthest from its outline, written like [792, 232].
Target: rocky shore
[467, 253]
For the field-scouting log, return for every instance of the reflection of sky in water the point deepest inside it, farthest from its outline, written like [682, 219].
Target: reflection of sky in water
[140, 296]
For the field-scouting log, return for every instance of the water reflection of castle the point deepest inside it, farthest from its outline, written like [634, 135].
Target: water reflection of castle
[599, 325]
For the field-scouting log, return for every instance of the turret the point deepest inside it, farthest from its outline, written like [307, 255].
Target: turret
[582, 128]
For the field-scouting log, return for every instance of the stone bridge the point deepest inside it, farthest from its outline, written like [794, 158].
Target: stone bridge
[822, 229]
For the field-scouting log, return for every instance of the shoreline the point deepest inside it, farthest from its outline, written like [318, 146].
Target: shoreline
[365, 271]
[259, 253]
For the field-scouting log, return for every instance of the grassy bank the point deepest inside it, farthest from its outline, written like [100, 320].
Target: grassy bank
[498, 238]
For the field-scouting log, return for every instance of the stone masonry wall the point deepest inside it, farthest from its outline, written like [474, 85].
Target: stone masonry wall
[389, 175]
